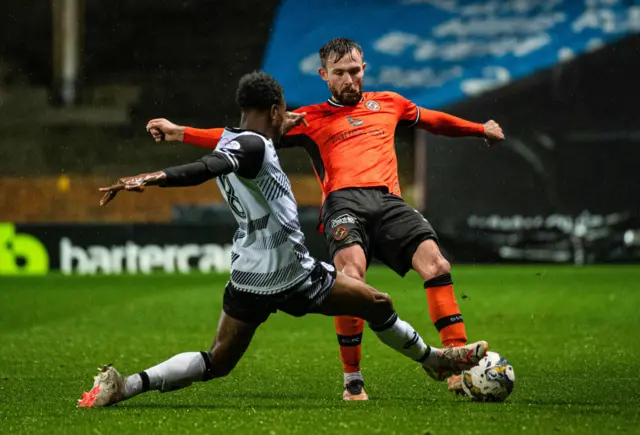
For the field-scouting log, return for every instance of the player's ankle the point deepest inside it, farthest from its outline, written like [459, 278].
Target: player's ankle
[352, 376]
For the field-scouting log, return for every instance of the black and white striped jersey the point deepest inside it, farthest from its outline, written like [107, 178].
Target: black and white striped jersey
[268, 254]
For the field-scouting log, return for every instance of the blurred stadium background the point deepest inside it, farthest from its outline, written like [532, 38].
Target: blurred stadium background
[79, 79]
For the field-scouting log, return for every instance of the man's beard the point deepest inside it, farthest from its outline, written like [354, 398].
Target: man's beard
[346, 98]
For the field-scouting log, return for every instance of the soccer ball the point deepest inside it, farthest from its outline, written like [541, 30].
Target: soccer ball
[492, 380]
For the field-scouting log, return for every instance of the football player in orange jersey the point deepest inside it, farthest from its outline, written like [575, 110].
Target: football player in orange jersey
[350, 140]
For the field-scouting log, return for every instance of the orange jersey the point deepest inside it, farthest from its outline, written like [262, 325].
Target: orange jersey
[353, 146]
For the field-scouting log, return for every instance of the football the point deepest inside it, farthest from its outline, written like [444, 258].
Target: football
[492, 380]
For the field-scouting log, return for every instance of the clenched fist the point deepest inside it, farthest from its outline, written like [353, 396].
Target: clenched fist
[493, 132]
[163, 129]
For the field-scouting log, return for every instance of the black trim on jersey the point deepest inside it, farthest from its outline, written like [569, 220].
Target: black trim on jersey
[417, 117]
[334, 103]
[289, 141]
[238, 130]
[314, 154]
[411, 123]
[309, 145]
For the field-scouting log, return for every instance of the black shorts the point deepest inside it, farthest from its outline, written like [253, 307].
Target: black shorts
[386, 227]
[304, 298]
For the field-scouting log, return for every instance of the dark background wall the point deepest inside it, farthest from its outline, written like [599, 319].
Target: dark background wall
[573, 145]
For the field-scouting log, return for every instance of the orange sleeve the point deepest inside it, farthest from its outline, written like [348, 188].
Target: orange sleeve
[201, 137]
[435, 122]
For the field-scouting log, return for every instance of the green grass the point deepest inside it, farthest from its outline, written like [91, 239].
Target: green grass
[570, 333]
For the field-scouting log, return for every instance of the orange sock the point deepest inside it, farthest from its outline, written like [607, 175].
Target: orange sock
[444, 311]
[349, 331]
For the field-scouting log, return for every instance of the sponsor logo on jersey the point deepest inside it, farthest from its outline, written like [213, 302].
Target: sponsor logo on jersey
[354, 121]
[342, 219]
[234, 145]
[372, 105]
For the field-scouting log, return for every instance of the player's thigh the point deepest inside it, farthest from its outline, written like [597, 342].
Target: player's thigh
[402, 230]
[352, 261]
[350, 297]
[346, 217]
[343, 229]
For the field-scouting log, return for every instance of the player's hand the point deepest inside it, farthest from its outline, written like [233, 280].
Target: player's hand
[292, 119]
[493, 132]
[163, 129]
[133, 184]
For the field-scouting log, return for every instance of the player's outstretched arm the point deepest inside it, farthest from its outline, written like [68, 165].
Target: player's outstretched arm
[448, 125]
[444, 124]
[191, 174]
[162, 129]
[243, 155]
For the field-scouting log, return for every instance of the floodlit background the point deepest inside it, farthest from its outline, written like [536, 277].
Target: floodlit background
[79, 79]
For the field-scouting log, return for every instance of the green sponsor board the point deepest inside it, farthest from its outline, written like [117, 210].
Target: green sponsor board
[21, 254]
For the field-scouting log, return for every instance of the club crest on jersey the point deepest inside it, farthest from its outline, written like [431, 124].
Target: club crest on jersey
[342, 219]
[340, 233]
[354, 121]
[372, 105]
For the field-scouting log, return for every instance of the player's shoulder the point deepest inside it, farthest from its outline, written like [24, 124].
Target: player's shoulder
[243, 139]
[383, 96]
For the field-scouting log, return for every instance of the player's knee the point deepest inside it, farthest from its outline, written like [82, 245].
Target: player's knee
[429, 262]
[441, 266]
[382, 308]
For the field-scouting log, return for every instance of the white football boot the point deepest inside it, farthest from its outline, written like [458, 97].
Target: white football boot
[454, 360]
[108, 389]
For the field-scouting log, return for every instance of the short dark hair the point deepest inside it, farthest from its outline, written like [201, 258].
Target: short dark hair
[258, 90]
[337, 48]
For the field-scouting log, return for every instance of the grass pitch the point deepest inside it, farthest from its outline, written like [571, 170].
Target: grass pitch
[570, 333]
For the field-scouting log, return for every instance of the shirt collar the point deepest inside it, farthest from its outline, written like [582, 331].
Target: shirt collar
[334, 103]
